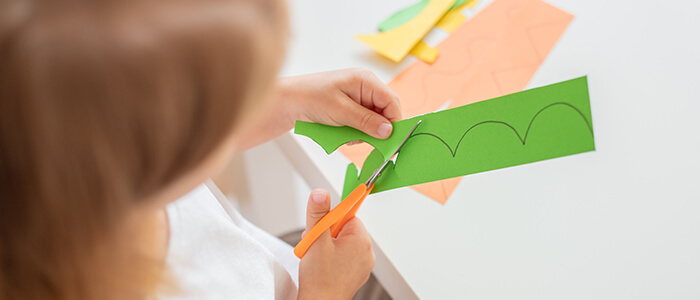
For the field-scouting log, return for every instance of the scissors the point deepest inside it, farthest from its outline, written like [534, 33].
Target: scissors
[343, 212]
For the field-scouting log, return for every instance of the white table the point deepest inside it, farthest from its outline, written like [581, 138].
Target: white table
[622, 222]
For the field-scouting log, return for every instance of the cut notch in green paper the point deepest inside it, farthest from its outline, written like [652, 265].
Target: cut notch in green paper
[520, 128]
[408, 13]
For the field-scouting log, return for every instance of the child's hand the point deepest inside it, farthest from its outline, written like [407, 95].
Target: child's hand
[334, 268]
[352, 97]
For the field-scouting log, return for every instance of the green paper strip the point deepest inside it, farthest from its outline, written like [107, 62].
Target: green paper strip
[520, 128]
[408, 14]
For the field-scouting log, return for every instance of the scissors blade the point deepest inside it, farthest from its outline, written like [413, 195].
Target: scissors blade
[378, 172]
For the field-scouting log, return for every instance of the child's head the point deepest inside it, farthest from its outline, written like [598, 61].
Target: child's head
[108, 108]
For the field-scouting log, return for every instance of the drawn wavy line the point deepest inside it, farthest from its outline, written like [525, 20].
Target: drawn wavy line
[523, 139]
[540, 59]
[528, 31]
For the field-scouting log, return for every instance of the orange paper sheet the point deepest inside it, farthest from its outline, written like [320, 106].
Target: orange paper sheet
[495, 53]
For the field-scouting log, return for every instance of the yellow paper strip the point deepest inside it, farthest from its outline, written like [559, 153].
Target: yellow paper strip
[424, 52]
[451, 21]
[454, 17]
[395, 44]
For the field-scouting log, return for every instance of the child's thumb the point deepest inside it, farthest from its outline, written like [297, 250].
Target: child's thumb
[318, 206]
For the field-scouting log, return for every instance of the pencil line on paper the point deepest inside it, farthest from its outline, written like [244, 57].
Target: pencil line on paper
[521, 138]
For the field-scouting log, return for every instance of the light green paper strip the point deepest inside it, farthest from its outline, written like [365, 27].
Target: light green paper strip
[520, 128]
[408, 14]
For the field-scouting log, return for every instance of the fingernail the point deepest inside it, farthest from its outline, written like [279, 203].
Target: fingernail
[318, 197]
[384, 130]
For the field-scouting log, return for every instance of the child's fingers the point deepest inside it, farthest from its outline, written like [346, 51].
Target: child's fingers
[368, 90]
[368, 121]
[355, 228]
[354, 236]
[382, 97]
[318, 206]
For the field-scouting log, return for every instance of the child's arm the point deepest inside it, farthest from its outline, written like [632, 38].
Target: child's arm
[334, 268]
[352, 97]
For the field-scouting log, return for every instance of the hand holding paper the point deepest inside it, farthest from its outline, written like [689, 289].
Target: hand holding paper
[520, 128]
[351, 97]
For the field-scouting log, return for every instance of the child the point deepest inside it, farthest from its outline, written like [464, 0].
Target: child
[111, 110]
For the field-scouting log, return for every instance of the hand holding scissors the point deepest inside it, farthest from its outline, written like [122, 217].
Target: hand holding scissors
[343, 212]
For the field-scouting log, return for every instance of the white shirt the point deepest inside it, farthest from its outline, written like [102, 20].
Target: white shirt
[214, 253]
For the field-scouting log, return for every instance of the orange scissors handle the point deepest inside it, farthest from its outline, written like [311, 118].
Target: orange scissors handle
[335, 228]
[334, 219]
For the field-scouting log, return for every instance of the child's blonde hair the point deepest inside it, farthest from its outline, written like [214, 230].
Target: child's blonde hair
[103, 104]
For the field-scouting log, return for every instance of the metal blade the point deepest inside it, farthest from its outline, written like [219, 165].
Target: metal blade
[378, 171]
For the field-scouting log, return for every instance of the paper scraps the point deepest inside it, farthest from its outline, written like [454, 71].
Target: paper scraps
[520, 128]
[424, 52]
[408, 13]
[396, 43]
[495, 53]
[454, 18]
